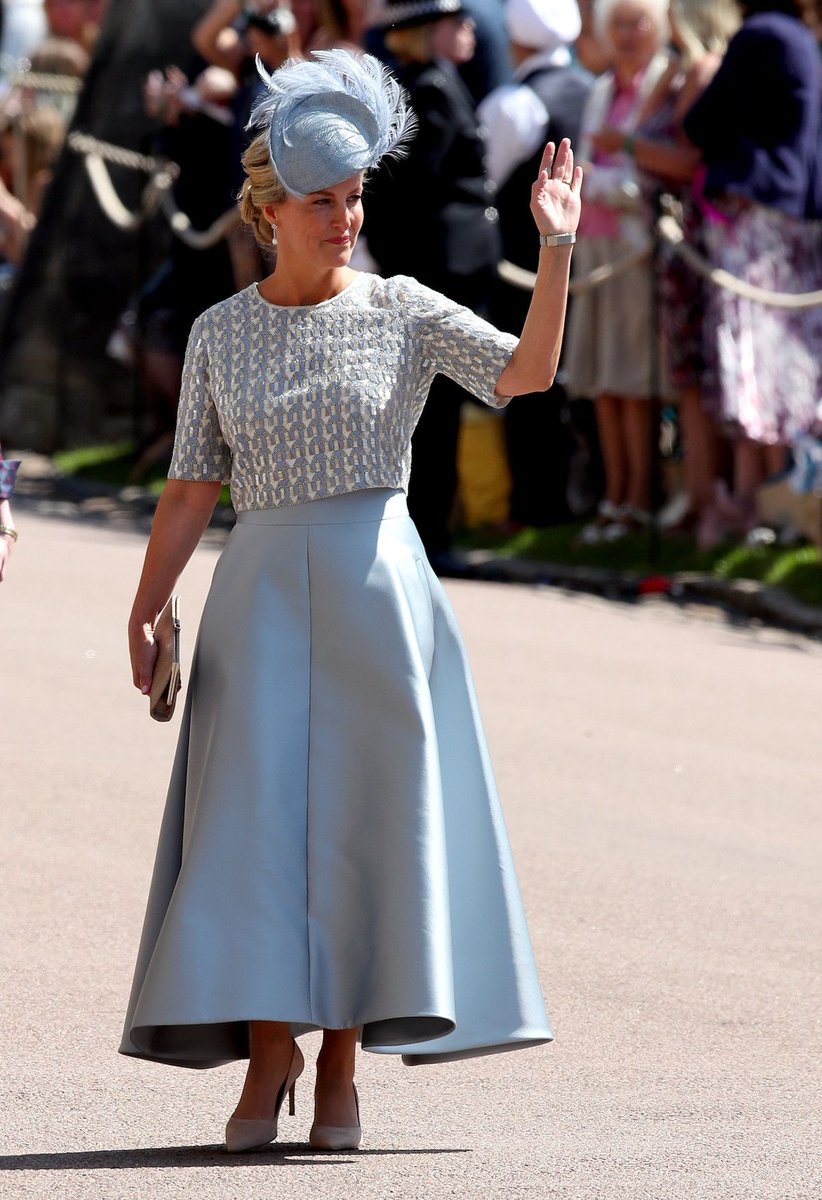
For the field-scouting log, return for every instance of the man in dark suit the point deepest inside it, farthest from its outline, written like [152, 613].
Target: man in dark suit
[544, 103]
[429, 215]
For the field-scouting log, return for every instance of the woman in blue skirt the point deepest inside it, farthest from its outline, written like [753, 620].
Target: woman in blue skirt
[333, 854]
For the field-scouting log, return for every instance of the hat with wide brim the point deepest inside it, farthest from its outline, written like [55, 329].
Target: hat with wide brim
[406, 13]
[330, 117]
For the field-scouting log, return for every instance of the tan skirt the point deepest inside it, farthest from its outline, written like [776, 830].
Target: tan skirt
[610, 337]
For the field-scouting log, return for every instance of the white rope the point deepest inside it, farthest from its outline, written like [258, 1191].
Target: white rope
[111, 203]
[672, 233]
[157, 194]
[519, 277]
[195, 238]
[85, 143]
[40, 81]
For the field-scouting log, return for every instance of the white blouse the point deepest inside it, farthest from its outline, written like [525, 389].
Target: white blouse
[291, 404]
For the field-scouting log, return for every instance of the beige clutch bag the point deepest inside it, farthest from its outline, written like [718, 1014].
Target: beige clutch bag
[166, 681]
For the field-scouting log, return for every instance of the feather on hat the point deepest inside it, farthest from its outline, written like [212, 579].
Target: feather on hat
[330, 117]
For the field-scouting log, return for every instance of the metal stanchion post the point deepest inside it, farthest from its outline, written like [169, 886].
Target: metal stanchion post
[655, 350]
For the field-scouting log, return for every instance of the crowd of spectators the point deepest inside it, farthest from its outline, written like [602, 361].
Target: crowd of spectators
[712, 104]
[44, 54]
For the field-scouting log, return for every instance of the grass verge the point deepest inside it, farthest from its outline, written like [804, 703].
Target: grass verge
[796, 569]
[113, 465]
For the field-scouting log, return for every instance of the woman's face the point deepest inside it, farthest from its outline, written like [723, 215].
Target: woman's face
[453, 38]
[632, 34]
[322, 227]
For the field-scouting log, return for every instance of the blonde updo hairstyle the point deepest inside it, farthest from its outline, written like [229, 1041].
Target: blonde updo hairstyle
[705, 26]
[261, 186]
[411, 43]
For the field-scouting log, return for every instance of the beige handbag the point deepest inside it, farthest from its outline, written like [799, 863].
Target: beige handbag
[166, 682]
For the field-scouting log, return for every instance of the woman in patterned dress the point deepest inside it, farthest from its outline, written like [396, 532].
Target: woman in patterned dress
[333, 855]
[759, 128]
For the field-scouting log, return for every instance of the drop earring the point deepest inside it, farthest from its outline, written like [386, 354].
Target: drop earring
[273, 234]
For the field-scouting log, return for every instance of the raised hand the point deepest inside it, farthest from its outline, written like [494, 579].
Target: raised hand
[555, 195]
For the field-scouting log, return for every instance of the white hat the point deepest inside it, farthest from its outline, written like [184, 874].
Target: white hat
[330, 117]
[543, 24]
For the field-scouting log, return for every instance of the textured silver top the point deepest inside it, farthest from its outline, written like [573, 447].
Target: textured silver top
[297, 403]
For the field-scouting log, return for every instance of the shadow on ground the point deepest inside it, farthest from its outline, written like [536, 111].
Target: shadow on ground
[287, 1155]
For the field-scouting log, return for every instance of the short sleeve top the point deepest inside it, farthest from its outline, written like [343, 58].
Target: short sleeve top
[290, 404]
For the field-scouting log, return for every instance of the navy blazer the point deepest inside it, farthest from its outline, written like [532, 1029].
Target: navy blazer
[759, 121]
[429, 213]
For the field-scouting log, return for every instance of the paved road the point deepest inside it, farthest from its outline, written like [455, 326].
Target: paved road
[661, 778]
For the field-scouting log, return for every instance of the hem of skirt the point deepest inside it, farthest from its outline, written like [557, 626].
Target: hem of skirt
[185, 1063]
[156, 1043]
[408, 1060]
[449, 1056]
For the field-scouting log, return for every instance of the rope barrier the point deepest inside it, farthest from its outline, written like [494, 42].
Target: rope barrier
[40, 81]
[85, 143]
[163, 174]
[519, 277]
[110, 202]
[157, 194]
[672, 233]
[198, 239]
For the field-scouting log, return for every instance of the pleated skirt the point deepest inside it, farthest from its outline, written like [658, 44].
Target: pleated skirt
[333, 852]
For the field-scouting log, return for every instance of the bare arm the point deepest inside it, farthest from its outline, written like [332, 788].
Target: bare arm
[555, 206]
[6, 540]
[676, 161]
[16, 224]
[214, 38]
[182, 515]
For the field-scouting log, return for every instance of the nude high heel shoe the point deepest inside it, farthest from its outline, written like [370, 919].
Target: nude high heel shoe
[337, 1137]
[242, 1134]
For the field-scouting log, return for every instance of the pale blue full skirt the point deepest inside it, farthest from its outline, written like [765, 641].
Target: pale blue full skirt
[333, 853]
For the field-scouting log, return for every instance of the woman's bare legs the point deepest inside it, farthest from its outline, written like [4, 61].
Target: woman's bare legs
[271, 1048]
[636, 431]
[334, 1092]
[612, 446]
[753, 464]
[701, 439]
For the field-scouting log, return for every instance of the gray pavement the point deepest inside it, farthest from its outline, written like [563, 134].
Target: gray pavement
[660, 773]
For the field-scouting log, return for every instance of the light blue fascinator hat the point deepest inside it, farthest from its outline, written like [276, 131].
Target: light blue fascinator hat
[329, 117]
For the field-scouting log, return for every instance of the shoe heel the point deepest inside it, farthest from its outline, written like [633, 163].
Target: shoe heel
[292, 1099]
[244, 1134]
